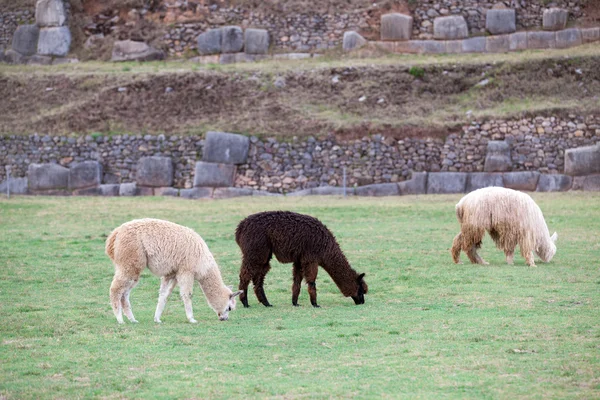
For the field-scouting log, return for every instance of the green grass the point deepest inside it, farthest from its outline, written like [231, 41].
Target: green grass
[429, 328]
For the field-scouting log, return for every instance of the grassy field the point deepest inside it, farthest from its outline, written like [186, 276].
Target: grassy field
[429, 328]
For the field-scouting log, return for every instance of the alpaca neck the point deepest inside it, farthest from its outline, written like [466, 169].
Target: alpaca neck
[340, 271]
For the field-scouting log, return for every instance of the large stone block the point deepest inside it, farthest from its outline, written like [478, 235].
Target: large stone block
[497, 44]
[209, 42]
[589, 35]
[232, 39]
[449, 28]
[498, 22]
[517, 41]
[154, 171]
[14, 57]
[541, 40]
[582, 160]
[225, 148]
[111, 189]
[85, 174]
[483, 179]
[396, 26]
[446, 182]
[378, 189]
[591, 183]
[128, 189]
[352, 41]
[196, 193]
[554, 183]
[256, 41]
[497, 158]
[14, 185]
[323, 191]
[521, 180]
[416, 185]
[54, 41]
[230, 192]
[25, 39]
[50, 13]
[474, 45]
[428, 46]
[37, 59]
[129, 50]
[232, 58]
[568, 38]
[47, 177]
[166, 191]
[214, 175]
[454, 46]
[555, 19]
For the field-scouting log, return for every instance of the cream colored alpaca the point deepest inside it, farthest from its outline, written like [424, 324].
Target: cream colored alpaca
[175, 253]
[511, 217]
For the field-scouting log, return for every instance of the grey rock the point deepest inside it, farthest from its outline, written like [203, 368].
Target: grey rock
[591, 183]
[582, 160]
[291, 56]
[25, 39]
[483, 179]
[568, 38]
[589, 35]
[428, 46]
[416, 185]
[446, 182]
[263, 193]
[85, 174]
[54, 41]
[209, 42]
[215, 175]
[521, 180]
[497, 44]
[498, 22]
[303, 192]
[37, 59]
[378, 189]
[352, 41]
[14, 185]
[322, 191]
[196, 193]
[454, 46]
[154, 171]
[555, 19]
[541, 40]
[554, 183]
[91, 191]
[145, 191]
[47, 177]
[497, 158]
[396, 26]
[474, 45]
[449, 28]
[225, 148]
[230, 192]
[63, 60]
[128, 189]
[232, 39]
[111, 189]
[50, 13]
[256, 41]
[14, 57]
[517, 41]
[232, 58]
[129, 50]
[166, 191]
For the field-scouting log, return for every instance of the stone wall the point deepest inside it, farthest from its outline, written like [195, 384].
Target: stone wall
[10, 20]
[536, 144]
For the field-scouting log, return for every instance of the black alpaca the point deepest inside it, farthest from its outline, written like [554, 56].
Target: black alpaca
[296, 238]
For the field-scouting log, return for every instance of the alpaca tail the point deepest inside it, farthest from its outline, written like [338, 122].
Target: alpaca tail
[459, 212]
[110, 244]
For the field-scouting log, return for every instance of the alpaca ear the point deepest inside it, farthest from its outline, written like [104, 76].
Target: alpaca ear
[230, 287]
[360, 277]
[554, 237]
[232, 295]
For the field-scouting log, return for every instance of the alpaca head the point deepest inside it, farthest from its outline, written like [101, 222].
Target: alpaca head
[230, 305]
[361, 290]
[547, 249]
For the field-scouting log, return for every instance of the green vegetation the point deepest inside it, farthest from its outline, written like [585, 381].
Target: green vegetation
[429, 328]
[417, 72]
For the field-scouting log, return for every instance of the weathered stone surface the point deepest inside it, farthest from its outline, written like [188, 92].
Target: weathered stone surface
[111, 189]
[25, 39]
[352, 41]
[498, 22]
[554, 183]
[14, 185]
[497, 44]
[446, 182]
[568, 38]
[582, 160]
[128, 189]
[232, 58]
[517, 41]
[154, 171]
[145, 191]
[85, 174]
[521, 180]
[454, 46]
[90, 191]
[225, 148]
[129, 50]
[47, 177]
[378, 189]
[428, 46]
[483, 179]
[50, 13]
[589, 35]
[37, 59]
[541, 40]
[256, 41]
[396, 26]
[497, 158]
[591, 183]
[291, 56]
[263, 193]
[166, 191]
[416, 185]
[209, 42]
[230, 192]
[212, 59]
[555, 19]
[232, 39]
[196, 193]
[14, 57]
[215, 175]
[449, 28]
[63, 60]
[474, 45]
[54, 41]
[323, 191]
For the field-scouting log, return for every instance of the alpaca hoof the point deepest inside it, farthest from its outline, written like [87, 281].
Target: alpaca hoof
[296, 304]
[133, 321]
[158, 321]
[193, 321]
[268, 305]
[246, 306]
[316, 306]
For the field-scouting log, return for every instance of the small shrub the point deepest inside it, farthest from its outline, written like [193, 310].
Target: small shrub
[417, 72]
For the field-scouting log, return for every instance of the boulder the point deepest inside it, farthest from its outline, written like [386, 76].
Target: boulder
[112, 189]
[128, 189]
[589, 35]
[37, 59]
[554, 183]
[50, 13]
[154, 171]
[541, 40]
[396, 26]
[196, 193]
[474, 45]
[230, 192]
[232, 39]
[166, 191]
[497, 44]
[591, 183]
[483, 179]
[454, 46]
[209, 42]
[555, 19]
[14, 57]
[353, 41]
[568, 38]
[497, 158]
[517, 41]
[54, 41]
[378, 189]
[416, 185]
[91, 191]
[85, 174]
[214, 175]
[446, 182]
[129, 50]
[232, 58]
[47, 177]
[428, 46]
[145, 191]
[498, 22]
[25, 39]
[14, 185]
[225, 148]
[449, 28]
[521, 180]
[256, 41]
[582, 160]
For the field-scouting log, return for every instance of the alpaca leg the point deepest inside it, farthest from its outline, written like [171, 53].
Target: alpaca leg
[527, 253]
[258, 280]
[245, 278]
[510, 254]
[310, 274]
[125, 301]
[456, 246]
[167, 284]
[117, 291]
[474, 244]
[297, 270]
[186, 286]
